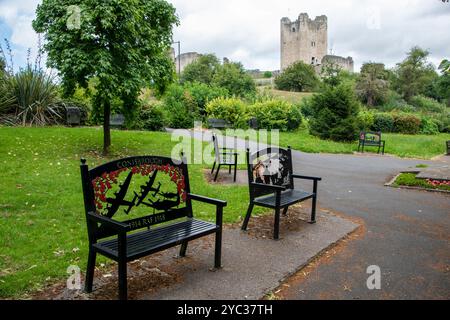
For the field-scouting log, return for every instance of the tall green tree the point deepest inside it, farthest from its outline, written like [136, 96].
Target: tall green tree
[298, 77]
[414, 74]
[232, 77]
[201, 70]
[372, 86]
[121, 43]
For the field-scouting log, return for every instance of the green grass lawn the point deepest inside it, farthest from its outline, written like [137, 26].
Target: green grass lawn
[42, 224]
[292, 97]
[406, 146]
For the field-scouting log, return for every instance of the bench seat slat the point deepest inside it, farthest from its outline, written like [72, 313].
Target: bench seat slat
[143, 243]
[288, 198]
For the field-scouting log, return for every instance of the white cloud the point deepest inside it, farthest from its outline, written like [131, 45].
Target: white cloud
[249, 30]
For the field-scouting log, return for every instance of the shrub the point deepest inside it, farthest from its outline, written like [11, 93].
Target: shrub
[298, 77]
[334, 113]
[276, 114]
[201, 70]
[180, 107]
[203, 93]
[383, 122]
[423, 103]
[429, 126]
[306, 107]
[235, 80]
[406, 123]
[366, 120]
[233, 110]
[151, 118]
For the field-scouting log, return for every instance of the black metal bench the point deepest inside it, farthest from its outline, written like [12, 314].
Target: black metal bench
[117, 121]
[371, 139]
[153, 193]
[271, 184]
[224, 157]
[218, 124]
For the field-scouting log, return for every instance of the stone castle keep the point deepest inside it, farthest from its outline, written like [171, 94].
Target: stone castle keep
[307, 40]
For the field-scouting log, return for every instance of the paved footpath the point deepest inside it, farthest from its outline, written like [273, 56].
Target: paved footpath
[407, 231]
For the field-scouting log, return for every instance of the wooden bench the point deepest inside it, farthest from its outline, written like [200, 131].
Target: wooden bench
[224, 157]
[271, 184]
[371, 139]
[218, 124]
[139, 206]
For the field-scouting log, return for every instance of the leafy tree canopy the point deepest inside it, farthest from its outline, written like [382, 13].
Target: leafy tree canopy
[372, 85]
[414, 74]
[298, 77]
[201, 70]
[232, 77]
[122, 43]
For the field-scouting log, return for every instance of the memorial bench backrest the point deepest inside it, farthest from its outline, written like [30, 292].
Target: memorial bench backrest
[149, 190]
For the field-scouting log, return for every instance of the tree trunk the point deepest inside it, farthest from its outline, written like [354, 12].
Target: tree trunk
[106, 127]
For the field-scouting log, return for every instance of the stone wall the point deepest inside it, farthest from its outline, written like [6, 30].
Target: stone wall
[185, 59]
[345, 63]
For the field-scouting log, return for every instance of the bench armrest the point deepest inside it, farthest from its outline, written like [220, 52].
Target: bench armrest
[109, 223]
[271, 187]
[296, 176]
[216, 202]
[230, 153]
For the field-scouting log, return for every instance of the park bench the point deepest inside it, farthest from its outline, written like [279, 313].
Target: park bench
[117, 120]
[224, 157]
[139, 206]
[372, 139]
[271, 184]
[218, 124]
[73, 116]
[253, 123]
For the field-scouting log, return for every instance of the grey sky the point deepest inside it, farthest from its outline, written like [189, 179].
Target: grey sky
[249, 30]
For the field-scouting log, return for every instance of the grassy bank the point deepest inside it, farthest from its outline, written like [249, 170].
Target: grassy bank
[42, 229]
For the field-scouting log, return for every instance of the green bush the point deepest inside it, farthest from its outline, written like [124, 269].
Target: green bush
[180, 107]
[429, 126]
[383, 122]
[406, 123]
[233, 110]
[423, 103]
[201, 70]
[298, 77]
[233, 78]
[276, 114]
[366, 120]
[151, 118]
[334, 113]
[203, 93]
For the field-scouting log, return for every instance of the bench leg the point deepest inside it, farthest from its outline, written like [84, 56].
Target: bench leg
[247, 216]
[285, 210]
[276, 225]
[214, 165]
[123, 288]
[218, 250]
[217, 173]
[183, 249]
[90, 271]
[229, 169]
[313, 209]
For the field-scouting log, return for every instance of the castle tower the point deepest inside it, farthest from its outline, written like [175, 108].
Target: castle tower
[303, 40]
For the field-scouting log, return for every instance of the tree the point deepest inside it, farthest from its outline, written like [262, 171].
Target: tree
[372, 85]
[233, 77]
[267, 74]
[298, 77]
[334, 113]
[122, 43]
[202, 70]
[414, 74]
